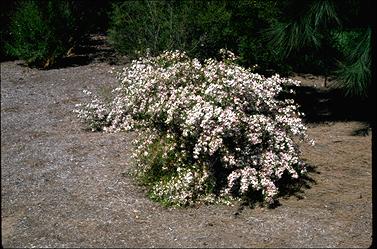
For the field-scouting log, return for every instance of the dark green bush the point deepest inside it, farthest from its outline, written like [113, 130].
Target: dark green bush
[210, 29]
[198, 27]
[249, 20]
[41, 32]
[91, 16]
[140, 25]
[7, 8]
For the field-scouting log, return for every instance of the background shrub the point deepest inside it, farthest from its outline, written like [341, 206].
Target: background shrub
[91, 16]
[249, 19]
[41, 32]
[200, 28]
[197, 27]
[7, 9]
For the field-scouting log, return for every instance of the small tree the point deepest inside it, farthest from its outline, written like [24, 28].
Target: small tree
[41, 32]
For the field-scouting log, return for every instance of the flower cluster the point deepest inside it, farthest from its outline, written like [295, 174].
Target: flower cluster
[197, 119]
[95, 113]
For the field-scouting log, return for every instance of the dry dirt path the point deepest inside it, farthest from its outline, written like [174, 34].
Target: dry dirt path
[62, 186]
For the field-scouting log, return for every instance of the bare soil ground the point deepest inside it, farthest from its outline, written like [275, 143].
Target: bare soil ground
[62, 186]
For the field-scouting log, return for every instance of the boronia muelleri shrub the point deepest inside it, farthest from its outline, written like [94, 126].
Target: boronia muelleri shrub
[208, 131]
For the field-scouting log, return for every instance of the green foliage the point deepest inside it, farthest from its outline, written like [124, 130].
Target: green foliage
[41, 32]
[323, 13]
[308, 30]
[249, 19]
[211, 29]
[278, 36]
[140, 27]
[161, 168]
[7, 8]
[325, 37]
[163, 158]
[320, 37]
[355, 72]
[345, 41]
[200, 28]
[91, 16]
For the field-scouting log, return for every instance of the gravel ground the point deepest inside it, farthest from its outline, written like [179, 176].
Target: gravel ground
[62, 186]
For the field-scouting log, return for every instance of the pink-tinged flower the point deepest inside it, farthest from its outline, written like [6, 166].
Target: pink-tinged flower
[203, 115]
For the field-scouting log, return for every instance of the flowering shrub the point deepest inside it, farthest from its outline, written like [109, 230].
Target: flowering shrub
[208, 131]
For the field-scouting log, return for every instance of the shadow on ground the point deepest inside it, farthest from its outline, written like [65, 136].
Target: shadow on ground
[288, 187]
[92, 48]
[296, 187]
[321, 105]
